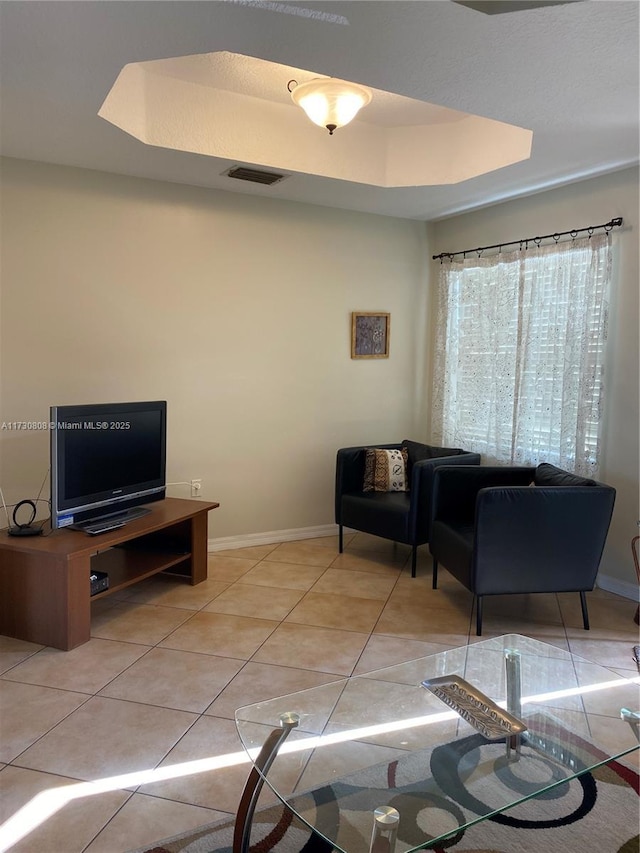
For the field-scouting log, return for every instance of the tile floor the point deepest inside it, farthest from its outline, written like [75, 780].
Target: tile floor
[168, 664]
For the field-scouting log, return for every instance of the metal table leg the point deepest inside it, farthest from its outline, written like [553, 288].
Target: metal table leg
[385, 830]
[255, 781]
[514, 697]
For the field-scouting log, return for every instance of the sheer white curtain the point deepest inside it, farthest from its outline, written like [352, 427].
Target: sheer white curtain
[518, 368]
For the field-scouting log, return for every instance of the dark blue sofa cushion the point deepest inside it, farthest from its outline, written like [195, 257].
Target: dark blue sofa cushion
[549, 475]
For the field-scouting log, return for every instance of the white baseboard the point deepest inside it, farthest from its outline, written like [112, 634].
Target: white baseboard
[624, 588]
[224, 543]
[270, 537]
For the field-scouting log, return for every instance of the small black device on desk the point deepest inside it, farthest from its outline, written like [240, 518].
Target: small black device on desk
[24, 529]
[99, 582]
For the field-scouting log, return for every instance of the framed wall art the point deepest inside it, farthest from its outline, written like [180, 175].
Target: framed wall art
[370, 334]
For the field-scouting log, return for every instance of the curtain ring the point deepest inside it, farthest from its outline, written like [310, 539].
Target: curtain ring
[537, 240]
[574, 234]
[479, 252]
[608, 227]
[556, 236]
[590, 230]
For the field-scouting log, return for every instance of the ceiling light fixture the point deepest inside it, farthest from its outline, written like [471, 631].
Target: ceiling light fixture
[329, 102]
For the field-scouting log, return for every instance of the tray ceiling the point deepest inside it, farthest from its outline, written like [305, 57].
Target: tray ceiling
[568, 73]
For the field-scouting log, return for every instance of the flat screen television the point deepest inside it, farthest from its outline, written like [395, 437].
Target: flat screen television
[106, 459]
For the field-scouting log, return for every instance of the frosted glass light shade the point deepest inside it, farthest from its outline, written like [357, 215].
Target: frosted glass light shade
[329, 102]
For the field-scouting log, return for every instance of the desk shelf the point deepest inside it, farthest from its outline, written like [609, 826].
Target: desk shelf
[128, 566]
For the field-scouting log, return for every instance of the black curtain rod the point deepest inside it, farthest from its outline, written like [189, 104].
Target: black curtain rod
[613, 223]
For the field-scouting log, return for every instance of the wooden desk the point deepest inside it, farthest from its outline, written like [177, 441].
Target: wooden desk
[45, 594]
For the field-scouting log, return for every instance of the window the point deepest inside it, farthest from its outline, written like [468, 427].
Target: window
[519, 356]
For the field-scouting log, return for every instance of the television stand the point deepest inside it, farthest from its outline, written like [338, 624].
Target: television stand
[45, 591]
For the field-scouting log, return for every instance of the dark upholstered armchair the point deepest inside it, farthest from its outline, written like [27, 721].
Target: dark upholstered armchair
[497, 534]
[402, 516]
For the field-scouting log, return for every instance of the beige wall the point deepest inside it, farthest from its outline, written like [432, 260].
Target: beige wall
[233, 308]
[236, 309]
[587, 203]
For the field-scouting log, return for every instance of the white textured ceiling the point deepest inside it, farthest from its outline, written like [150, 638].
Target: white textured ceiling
[229, 105]
[570, 73]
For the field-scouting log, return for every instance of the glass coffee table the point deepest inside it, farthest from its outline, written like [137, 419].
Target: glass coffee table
[405, 756]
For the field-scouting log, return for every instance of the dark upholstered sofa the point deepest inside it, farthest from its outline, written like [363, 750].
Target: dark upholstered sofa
[502, 530]
[402, 516]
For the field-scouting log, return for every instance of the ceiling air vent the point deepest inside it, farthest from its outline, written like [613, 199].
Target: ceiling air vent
[255, 176]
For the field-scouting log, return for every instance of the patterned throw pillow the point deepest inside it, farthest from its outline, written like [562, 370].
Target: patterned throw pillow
[385, 471]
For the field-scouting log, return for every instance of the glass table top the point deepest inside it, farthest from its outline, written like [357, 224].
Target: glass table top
[383, 739]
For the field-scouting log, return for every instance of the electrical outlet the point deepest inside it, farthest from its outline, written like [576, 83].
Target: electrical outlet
[196, 488]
